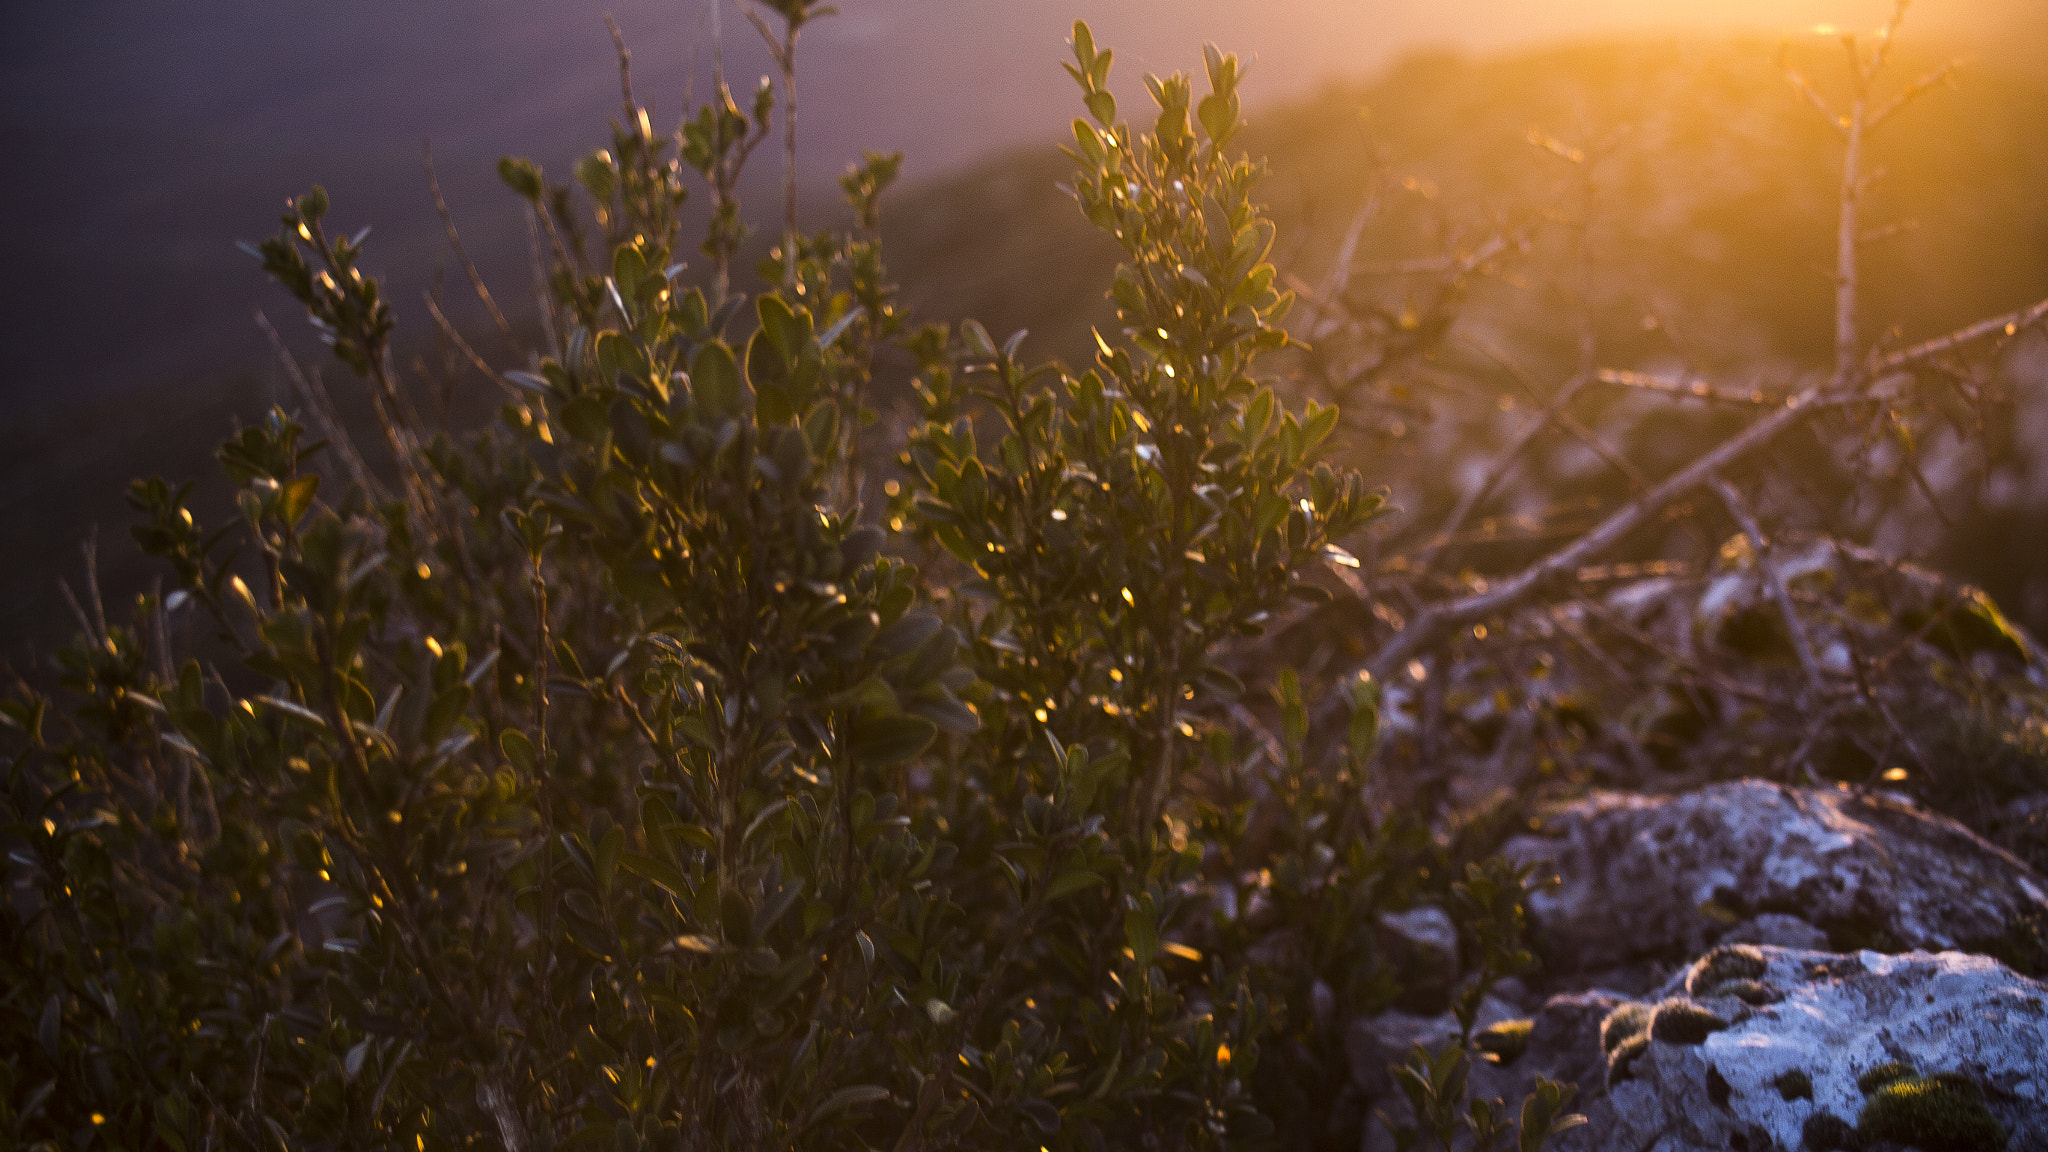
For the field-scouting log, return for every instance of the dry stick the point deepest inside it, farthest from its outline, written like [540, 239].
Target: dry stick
[91, 548]
[625, 71]
[1914, 91]
[542, 298]
[78, 610]
[475, 361]
[476, 280]
[322, 407]
[783, 52]
[1801, 643]
[1434, 622]
[1340, 271]
[2009, 325]
[1473, 499]
[1684, 388]
[1848, 233]
[1439, 619]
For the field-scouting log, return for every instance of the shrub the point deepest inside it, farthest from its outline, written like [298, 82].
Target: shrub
[613, 777]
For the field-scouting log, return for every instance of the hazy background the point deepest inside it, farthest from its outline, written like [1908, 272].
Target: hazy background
[142, 138]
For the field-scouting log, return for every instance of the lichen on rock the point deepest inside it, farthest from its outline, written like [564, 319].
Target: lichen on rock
[1663, 877]
[1958, 1045]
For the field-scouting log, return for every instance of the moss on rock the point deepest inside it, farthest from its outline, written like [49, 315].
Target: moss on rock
[1941, 1113]
[1884, 1074]
[1725, 965]
[1623, 1057]
[1827, 1132]
[1506, 1040]
[1684, 1022]
[1754, 993]
[1794, 1085]
[1623, 1024]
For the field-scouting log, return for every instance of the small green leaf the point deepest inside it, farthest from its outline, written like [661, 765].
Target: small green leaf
[660, 873]
[716, 383]
[609, 852]
[297, 497]
[888, 740]
[1041, 1113]
[1141, 932]
[517, 748]
[846, 1098]
[1072, 882]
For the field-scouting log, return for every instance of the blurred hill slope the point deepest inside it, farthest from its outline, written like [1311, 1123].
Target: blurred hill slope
[1713, 213]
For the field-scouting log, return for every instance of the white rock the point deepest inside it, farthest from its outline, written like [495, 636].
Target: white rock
[1839, 1016]
[1778, 929]
[1664, 877]
[1428, 933]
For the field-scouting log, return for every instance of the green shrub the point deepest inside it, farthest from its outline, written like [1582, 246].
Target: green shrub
[617, 776]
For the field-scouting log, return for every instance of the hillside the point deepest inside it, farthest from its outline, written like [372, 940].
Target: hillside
[1712, 213]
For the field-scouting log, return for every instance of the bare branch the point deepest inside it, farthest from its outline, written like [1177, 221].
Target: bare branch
[1847, 231]
[1684, 388]
[475, 361]
[1477, 496]
[632, 106]
[2007, 326]
[476, 280]
[1810, 93]
[1438, 620]
[1340, 270]
[1914, 91]
[322, 407]
[1794, 626]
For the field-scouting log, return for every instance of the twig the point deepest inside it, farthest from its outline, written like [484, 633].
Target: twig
[91, 548]
[1340, 269]
[1439, 619]
[322, 407]
[1477, 496]
[1801, 643]
[1684, 388]
[475, 361]
[476, 280]
[2009, 325]
[1848, 231]
[542, 297]
[1914, 91]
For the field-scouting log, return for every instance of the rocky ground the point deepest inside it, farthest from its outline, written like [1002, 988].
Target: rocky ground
[1745, 949]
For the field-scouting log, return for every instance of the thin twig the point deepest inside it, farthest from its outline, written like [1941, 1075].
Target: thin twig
[1340, 269]
[475, 361]
[322, 407]
[476, 280]
[2007, 326]
[1437, 620]
[1684, 388]
[1780, 591]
